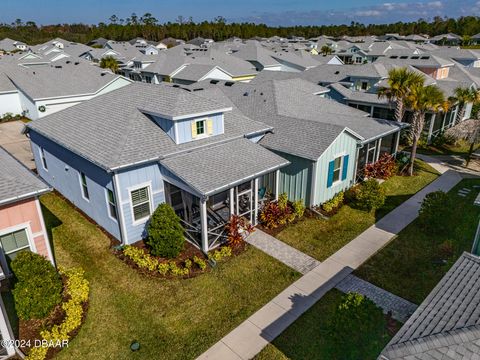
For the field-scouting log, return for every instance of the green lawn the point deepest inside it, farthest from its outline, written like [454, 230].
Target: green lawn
[307, 338]
[321, 238]
[409, 266]
[172, 319]
[458, 149]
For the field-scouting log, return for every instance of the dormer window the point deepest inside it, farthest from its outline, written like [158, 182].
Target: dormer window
[200, 127]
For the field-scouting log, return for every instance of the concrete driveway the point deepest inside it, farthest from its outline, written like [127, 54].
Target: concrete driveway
[17, 144]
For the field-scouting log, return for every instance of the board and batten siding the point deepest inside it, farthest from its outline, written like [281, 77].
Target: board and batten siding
[344, 144]
[183, 128]
[135, 178]
[63, 173]
[295, 179]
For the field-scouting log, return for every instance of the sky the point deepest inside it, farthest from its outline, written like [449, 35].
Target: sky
[271, 12]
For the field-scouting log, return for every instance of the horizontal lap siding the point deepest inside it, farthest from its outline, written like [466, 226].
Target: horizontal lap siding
[344, 144]
[134, 178]
[63, 174]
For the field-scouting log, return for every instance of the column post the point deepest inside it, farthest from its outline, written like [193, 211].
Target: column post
[277, 184]
[204, 224]
[232, 201]
[255, 202]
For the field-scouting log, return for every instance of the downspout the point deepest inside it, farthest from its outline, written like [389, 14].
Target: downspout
[313, 190]
[118, 198]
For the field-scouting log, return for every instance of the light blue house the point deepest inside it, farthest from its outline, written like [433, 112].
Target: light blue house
[207, 153]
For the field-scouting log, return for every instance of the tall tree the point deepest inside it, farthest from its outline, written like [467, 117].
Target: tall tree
[464, 96]
[422, 99]
[400, 82]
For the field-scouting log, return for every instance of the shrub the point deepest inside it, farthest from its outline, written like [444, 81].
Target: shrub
[436, 207]
[384, 168]
[202, 264]
[165, 232]
[443, 139]
[446, 249]
[280, 212]
[334, 203]
[140, 257]
[39, 286]
[217, 255]
[77, 289]
[238, 228]
[298, 208]
[369, 195]
[360, 321]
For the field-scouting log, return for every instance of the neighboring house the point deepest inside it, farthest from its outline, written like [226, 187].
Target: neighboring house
[22, 227]
[10, 45]
[43, 90]
[446, 326]
[118, 156]
[21, 221]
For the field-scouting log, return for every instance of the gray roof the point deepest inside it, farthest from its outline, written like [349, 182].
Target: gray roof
[446, 326]
[110, 130]
[63, 78]
[216, 168]
[193, 72]
[16, 181]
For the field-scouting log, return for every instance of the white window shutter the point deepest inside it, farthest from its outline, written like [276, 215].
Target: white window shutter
[194, 129]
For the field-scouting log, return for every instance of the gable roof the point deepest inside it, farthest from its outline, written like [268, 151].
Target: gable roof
[446, 326]
[63, 78]
[111, 132]
[16, 181]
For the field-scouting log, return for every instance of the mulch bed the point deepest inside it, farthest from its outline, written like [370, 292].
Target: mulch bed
[29, 330]
[308, 214]
[188, 252]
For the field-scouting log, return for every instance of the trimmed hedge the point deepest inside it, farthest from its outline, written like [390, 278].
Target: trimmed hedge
[165, 232]
[39, 287]
[77, 290]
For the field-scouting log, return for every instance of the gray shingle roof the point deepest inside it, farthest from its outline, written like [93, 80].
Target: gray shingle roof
[216, 168]
[54, 81]
[112, 132]
[193, 72]
[16, 181]
[446, 326]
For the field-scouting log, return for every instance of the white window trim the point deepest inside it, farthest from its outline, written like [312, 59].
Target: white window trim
[150, 196]
[205, 133]
[43, 158]
[108, 204]
[342, 158]
[81, 186]
[31, 242]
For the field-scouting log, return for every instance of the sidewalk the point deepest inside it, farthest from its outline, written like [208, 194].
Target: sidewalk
[250, 337]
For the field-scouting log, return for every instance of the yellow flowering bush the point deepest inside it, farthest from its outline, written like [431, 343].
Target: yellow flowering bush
[77, 289]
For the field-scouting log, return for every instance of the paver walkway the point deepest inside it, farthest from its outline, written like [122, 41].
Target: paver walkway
[250, 337]
[285, 253]
[400, 308]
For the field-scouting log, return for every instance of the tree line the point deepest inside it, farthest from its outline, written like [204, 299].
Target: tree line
[147, 26]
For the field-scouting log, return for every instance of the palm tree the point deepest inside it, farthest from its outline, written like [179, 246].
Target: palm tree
[422, 99]
[326, 50]
[464, 96]
[109, 62]
[400, 80]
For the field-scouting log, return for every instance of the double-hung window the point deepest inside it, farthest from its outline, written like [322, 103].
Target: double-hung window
[44, 160]
[112, 204]
[140, 203]
[14, 243]
[337, 168]
[83, 181]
